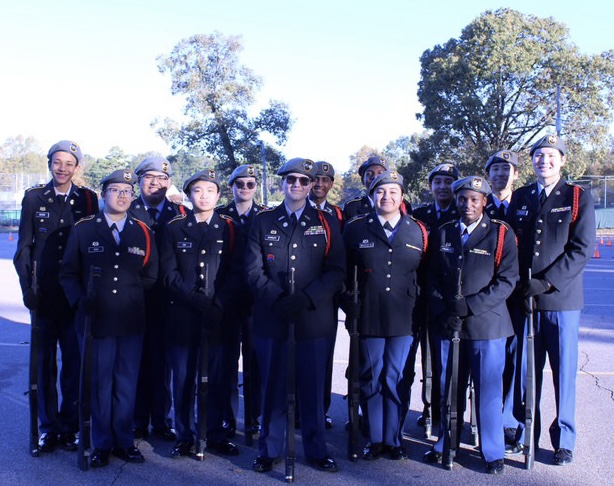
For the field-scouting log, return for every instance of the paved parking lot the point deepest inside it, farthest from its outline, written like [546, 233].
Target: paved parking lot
[592, 462]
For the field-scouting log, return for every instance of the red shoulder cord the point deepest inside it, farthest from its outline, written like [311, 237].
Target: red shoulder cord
[326, 230]
[147, 241]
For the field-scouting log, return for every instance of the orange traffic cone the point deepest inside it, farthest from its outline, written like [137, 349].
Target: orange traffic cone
[596, 254]
[601, 241]
[10, 236]
[609, 243]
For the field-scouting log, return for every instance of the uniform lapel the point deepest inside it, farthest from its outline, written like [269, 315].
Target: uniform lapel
[376, 228]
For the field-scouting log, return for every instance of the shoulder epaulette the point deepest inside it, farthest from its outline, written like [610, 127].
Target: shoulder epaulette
[86, 218]
[139, 221]
[37, 186]
[225, 216]
[357, 217]
[356, 199]
[179, 217]
[264, 210]
[500, 221]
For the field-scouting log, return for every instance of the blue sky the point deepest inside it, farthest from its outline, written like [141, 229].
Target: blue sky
[348, 70]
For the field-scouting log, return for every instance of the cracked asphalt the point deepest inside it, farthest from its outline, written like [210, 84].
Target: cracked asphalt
[595, 419]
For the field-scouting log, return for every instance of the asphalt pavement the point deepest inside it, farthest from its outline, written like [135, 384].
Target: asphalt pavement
[595, 419]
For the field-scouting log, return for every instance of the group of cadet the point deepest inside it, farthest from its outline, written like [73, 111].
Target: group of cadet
[155, 279]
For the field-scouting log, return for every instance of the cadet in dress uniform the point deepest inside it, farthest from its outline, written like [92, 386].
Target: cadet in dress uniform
[502, 171]
[48, 212]
[555, 224]
[485, 253]
[242, 209]
[153, 398]
[368, 171]
[294, 235]
[440, 211]
[388, 247]
[197, 267]
[122, 247]
[322, 184]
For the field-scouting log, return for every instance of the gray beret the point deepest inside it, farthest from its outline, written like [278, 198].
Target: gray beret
[208, 175]
[449, 170]
[298, 165]
[159, 164]
[324, 169]
[505, 156]
[553, 141]
[66, 146]
[388, 177]
[123, 176]
[472, 183]
[371, 161]
[242, 171]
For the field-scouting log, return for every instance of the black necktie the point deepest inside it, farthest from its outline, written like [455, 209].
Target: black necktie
[115, 232]
[388, 227]
[153, 214]
[501, 211]
[61, 198]
[293, 220]
[243, 219]
[464, 236]
[542, 197]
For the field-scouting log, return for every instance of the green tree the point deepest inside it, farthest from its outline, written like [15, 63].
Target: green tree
[352, 184]
[218, 93]
[495, 87]
[21, 155]
[94, 172]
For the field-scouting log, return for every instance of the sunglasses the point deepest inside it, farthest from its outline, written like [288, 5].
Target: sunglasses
[305, 181]
[242, 185]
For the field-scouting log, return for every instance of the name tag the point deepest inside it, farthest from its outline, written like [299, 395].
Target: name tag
[182, 245]
[522, 212]
[477, 251]
[41, 214]
[271, 238]
[95, 249]
[446, 249]
[366, 244]
[413, 247]
[561, 210]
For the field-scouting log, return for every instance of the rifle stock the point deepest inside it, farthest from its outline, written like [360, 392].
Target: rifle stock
[33, 369]
[85, 380]
[291, 394]
[353, 372]
[529, 427]
[453, 387]
[203, 383]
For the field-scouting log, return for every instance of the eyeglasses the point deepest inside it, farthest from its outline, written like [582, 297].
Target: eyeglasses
[120, 192]
[152, 177]
[305, 181]
[242, 185]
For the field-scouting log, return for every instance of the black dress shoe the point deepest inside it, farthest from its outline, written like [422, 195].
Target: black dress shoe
[68, 441]
[182, 448]
[373, 451]
[397, 453]
[326, 464]
[164, 433]
[432, 456]
[264, 464]
[48, 442]
[495, 467]
[513, 449]
[128, 454]
[328, 422]
[140, 432]
[562, 457]
[420, 421]
[100, 457]
[231, 428]
[224, 447]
